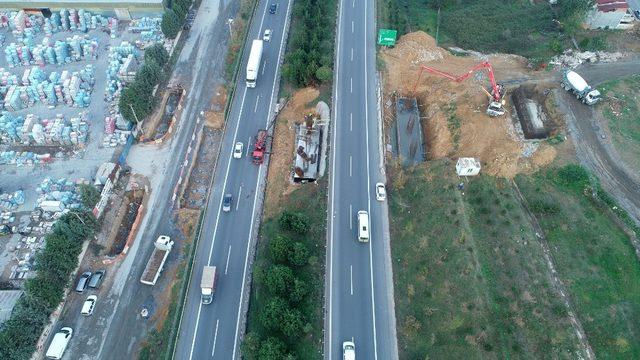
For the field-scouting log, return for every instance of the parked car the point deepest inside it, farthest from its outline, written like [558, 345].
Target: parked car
[96, 279]
[237, 150]
[267, 35]
[59, 343]
[273, 8]
[381, 192]
[226, 202]
[89, 304]
[83, 281]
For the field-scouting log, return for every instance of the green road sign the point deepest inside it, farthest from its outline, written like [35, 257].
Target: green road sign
[387, 37]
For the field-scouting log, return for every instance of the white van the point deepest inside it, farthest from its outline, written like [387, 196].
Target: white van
[59, 343]
[363, 226]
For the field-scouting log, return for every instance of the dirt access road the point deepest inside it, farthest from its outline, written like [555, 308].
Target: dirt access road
[593, 146]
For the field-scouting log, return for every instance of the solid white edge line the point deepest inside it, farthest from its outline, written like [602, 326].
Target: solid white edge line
[333, 180]
[235, 135]
[255, 198]
[366, 112]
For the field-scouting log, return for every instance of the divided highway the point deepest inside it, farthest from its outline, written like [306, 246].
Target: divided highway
[359, 286]
[213, 331]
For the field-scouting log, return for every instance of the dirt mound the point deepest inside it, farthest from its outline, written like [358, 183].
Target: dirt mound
[215, 116]
[281, 159]
[454, 119]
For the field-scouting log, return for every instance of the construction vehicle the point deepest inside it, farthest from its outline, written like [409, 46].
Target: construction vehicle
[574, 83]
[496, 104]
[208, 284]
[162, 248]
[260, 147]
[253, 65]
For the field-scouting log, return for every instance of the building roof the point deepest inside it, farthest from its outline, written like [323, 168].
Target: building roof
[612, 5]
[8, 299]
[603, 20]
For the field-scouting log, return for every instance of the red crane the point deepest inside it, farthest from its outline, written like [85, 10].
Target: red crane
[497, 91]
[260, 147]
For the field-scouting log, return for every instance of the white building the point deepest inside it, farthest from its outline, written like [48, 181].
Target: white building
[467, 167]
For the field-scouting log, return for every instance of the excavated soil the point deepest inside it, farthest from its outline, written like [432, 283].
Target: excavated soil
[214, 117]
[281, 159]
[453, 114]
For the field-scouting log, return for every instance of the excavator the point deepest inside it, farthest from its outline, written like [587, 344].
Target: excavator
[496, 102]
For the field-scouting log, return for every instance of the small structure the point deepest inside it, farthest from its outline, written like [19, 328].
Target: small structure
[107, 172]
[610, 14]
[309, 135]
[8, 299]
[467, 167]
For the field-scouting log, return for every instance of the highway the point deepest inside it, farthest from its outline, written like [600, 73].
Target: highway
[227, 239]
[359, 286]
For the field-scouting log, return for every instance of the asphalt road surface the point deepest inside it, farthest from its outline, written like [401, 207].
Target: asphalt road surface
[359, 287]
[213, 331]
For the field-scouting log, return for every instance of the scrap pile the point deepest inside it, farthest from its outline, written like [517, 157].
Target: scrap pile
[58, 195]
[32, 130]
[11, 201]
[23, 158]
[149, 30]
[75, 48]
[21, 23]
[74, 89]
[122, 60]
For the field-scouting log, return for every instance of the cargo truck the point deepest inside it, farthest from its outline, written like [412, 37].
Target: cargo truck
[162, 248]
[208, 284]
[253, 65]
[575, 84]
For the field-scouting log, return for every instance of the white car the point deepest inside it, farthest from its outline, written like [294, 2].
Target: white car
[381, 192]
[267, 35]
[89, 304]
[348, 350]
[237, 150]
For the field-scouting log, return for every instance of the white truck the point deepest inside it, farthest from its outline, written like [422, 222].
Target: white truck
[162, 248]
[574, 83]
[208, 284]
[253, 65]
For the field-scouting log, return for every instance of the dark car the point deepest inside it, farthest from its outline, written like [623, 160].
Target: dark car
[96, 279]
[273, 8]
[226, 203]
[83, 281]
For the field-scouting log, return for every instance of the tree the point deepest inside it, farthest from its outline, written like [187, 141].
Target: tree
[278, 278]
[89, 195]
[291, 324]
[250, 346]
[170, 24]
[298, 255]
[298, 291]
[280, 248]
[294, 221]
[157, 53]
[135, 102]
[149, 74]
[273, 312]
[324, 74]
[272, 349]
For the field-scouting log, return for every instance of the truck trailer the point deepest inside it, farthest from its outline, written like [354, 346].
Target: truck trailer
[162, 248]
[253, 65]
[574, 83]
[208, 284]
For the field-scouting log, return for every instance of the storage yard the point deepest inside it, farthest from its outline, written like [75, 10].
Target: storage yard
[60, 81]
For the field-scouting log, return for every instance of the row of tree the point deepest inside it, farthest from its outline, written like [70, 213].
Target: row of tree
[42, 294]
[174, 17]
[287, 288]
[310, 57]
[137, 100]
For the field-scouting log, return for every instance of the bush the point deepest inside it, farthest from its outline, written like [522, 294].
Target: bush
[89, 195]
[573, 176]
[295, 222]
[280, 248]
[273, 349]
[273, 312]
[278, 279]
[324, 74]
[298, 255]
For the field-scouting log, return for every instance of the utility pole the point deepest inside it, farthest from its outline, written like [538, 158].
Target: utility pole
[437, 26]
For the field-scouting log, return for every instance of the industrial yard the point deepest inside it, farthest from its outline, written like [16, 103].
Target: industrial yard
[60, 129]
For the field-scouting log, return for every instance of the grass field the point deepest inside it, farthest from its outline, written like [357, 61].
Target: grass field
[622, 110]
[309, 200]
[470, 280]
[594, 258]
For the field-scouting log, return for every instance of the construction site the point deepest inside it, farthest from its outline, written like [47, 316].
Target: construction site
[468, 105]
